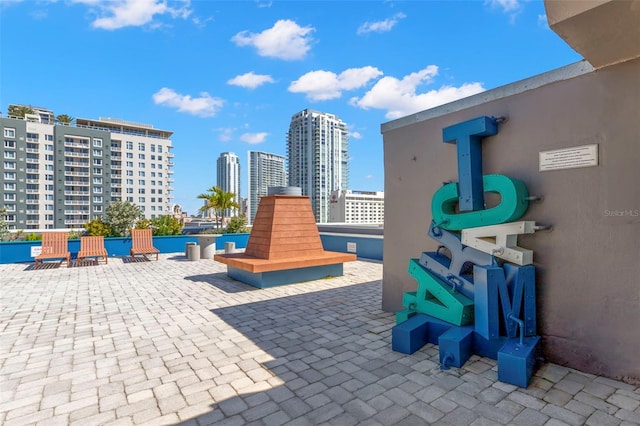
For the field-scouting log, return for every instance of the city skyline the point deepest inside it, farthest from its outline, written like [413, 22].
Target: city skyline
[227, 76]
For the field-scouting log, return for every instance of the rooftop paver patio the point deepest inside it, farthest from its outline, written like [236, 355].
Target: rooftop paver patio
[178, 342]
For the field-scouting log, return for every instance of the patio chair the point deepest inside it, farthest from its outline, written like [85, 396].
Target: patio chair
[54, 246]
[142, 243]
[93, 246]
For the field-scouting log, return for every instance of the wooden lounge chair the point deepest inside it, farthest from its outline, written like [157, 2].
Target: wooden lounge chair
[93, 246]
[54, 246]
[142, 243]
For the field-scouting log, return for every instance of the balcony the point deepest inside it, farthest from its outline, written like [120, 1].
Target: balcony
[116, 194]
[32, 191]
[32, 201]
[76, 212]
[76, 154]
[32, 222]
[76, 183]
[114, 167]
[76, 203]
[116, 148]
[66, 173]
[84, 193]
[32, 180]
[32, 150]
[76, 221]
[32, 160]
[77, 144]
[116, 185]
[33, 211]
[77, 164]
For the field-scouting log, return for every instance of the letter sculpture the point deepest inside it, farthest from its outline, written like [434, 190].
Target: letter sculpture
[466, 302]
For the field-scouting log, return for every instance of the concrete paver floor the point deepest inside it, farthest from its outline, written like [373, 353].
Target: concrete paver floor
[178, 342]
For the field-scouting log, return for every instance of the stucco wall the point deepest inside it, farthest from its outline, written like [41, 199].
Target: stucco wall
[588, 266]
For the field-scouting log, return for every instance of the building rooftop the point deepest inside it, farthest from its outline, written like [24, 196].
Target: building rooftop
[173, 341]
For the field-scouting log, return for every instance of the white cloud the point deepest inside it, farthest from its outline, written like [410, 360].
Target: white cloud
[369, 176]
[204, 106]
[226, 134]
[355, 135]
[285, 40]
[324, 85]
[250, 80]
[381, 26]
[115, 14]
[254, 138]
[400, 97]
[507, 6]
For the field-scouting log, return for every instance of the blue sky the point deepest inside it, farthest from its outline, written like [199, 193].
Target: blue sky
[228, 75]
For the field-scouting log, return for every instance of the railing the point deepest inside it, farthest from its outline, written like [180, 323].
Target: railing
[32, 201]
[77, 144]
[76, 154]
[66, 173]
[32, 222]
[77, 164]
[75, 222]
[32, 191]
[76, 183]
[86, 193]
[33, 211]
[33, 150]
[32, 181]
[76, 203]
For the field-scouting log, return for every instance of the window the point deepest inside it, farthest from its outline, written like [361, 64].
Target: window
[48, 157]
[10, 165]
[141, 165]
[9, 196]
[10, 144]
[97, 199]
[48, 207]
[140, 156]
[159, 157]
[129, 190]
[153, 157]
[130, 199]
[97, 181]
[153, 174]
[10, 218]
[141, 199]
[129, 154]
[48, 187]
[159, 148]
[141, 182]
[97, 171]
[153, 191]
[153, 166]
[97, 190]
[97, 208]
[129, 181]
[97, 152]
[153, 199]
[48, 197]
[129, 172]
[97, 161]
[97, 142]
[129, 163]
[48, 138]
[48, 167]
[159, 200]
[159, 174]
[141, 191]
[140, 146]
[153, 208]
[153, 182]
[48, 177]
[129, 145]
[9, 186]
[159, 165]
[141, 173]
[48, 217]
[11, 155]
[153, 149]
[159, 191]
[48, 147]
[9, 132]
[9, 175]
[32, 137]
[10, 207]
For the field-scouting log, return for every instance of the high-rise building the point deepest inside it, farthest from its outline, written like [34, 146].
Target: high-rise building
[357, 207]
[62, 175]
[265, 170]
[228, 171]
[317, 150]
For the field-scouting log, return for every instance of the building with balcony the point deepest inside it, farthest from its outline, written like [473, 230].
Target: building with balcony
[228, 178]
[317, 154]
[364, 207]
[62, 176]
[265, 170]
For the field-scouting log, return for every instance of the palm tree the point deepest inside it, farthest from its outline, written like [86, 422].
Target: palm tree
[19, 111]
[217, 200]
[64, 119]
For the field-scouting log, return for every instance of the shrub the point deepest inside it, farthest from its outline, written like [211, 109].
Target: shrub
[74, 235]
[122, 215]
[98, 227]
[237, 225]
[166, 225]
[143, 223]
[32, 237]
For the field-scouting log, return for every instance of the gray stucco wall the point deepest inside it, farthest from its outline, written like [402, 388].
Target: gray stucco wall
[588, 266]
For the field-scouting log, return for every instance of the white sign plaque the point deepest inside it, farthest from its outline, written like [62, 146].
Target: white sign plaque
[569, 158]
[36, 250]
[351, 247]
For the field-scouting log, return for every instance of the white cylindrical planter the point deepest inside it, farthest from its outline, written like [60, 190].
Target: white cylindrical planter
[193, 252]
[229, 247]
[207, 245]
[186, 248]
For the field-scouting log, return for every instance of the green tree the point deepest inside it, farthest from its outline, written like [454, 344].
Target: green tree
[121, 216]
[64, 119]
[98, 227]
[217, 200]
[19, 111]
[237, 225]
[4, 228]
[166, 225]
[143, 223]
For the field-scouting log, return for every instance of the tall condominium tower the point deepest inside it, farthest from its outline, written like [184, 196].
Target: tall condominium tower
[265, 170]
[317, 149]
[228, 169]
[58, 175]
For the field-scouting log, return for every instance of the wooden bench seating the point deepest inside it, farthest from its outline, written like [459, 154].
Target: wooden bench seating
[54, 246]
[93, 246]
[142, 243]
